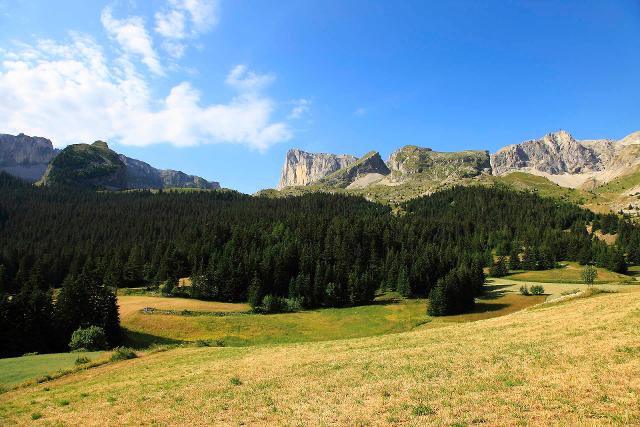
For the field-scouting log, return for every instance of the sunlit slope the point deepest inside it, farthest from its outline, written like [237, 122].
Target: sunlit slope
[572, 363]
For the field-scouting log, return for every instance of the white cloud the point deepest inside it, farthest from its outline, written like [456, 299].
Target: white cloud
[184, 19]
[247, 81]
[300, 107]
[132, 36]
[72, 93]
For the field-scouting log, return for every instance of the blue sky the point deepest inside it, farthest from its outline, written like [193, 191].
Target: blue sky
[223, 89]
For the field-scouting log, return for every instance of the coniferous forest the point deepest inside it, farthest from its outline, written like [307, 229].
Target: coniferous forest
[63, 252]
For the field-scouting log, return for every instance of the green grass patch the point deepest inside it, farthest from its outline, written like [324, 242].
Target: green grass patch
[387, 315]
[16, 370]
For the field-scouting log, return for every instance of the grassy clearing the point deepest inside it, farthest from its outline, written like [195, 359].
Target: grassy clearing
[16, 370]
[251, 329]
[575, 364]
[389, 314]
[571, 273]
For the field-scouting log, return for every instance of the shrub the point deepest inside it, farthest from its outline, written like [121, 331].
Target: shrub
[92, 338]
[499, 269]
[524, 290]
[273, 304]
[589, 274]
[537, 290]
[294, 304]
[82, 360]
[170, 286]
[123, 353]
[236, 381]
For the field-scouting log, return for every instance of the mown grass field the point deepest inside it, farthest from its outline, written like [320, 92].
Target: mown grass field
[571, 273]
[16, 370]
[574, 363]
[389, 314]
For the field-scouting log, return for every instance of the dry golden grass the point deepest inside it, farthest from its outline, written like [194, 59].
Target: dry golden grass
[575, 363]
[131, 304]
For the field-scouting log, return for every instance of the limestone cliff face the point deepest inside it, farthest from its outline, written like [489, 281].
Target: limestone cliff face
[25, 156]
[568, 161]
[302, 168]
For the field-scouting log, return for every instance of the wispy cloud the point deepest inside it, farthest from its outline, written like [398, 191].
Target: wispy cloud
[244, 80]
[181, 20]
[300, 108]
[133, 38]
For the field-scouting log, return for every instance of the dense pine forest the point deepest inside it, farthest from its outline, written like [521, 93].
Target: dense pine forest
[64, 251]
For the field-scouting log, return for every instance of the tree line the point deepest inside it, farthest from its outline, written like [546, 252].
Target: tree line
[317, 250]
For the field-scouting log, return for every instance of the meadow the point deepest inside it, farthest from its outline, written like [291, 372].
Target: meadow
[571, 272]
[519, 369]
[205, 321]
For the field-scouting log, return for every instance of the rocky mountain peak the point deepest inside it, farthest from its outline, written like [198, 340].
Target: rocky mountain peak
[303, 168]
[25, 156]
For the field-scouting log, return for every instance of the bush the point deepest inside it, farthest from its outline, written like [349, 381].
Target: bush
[273, 304]
[82, 360]
[294, 304]
[537, 290]
[169, 287]
[123, 353]
[524, 290]
[92, 338]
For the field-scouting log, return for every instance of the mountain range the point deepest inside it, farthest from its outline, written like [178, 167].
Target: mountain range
[602, 174]
[595, 173]
[94, 165]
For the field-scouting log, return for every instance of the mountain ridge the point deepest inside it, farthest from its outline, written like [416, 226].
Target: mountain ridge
[33, 159]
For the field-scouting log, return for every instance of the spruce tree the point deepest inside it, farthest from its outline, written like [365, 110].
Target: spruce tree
[514, 258]
[402, 285]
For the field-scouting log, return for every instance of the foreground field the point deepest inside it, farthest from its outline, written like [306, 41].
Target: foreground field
[389, 314]
[571, 363]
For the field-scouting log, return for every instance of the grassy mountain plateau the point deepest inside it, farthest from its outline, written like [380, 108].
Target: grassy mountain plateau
[433, 288]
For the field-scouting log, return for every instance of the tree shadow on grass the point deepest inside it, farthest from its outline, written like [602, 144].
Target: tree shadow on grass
[140, 340]
[492, 292]
[482, 307]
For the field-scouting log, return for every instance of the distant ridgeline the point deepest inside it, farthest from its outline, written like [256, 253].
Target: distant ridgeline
[318, 250]
[86, 165]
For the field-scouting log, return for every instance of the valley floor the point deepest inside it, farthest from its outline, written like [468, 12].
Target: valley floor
[570, 363]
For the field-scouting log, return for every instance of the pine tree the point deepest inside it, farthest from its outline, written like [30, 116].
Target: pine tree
[437, 305]
[255, 293]
[499, 269]
[529, 259]
[617, 262]
[402, 285]
[514, 258]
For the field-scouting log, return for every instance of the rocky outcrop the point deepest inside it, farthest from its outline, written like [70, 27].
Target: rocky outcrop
[25, 156]
[302, 168]
[567, 161]
[555, 153]
[411, 160]
[370, 163]
[97, 166]
[141, 175]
